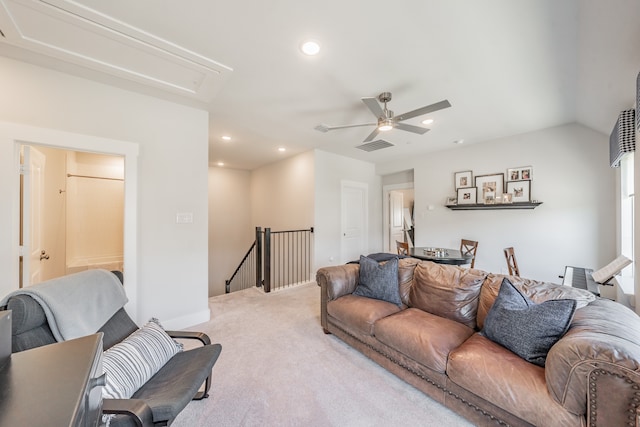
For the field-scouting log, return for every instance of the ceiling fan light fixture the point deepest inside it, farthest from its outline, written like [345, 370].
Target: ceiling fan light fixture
[427, 121]
[385, 125]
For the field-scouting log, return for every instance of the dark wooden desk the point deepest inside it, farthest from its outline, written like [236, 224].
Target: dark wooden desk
[453, 256]
[53, 385]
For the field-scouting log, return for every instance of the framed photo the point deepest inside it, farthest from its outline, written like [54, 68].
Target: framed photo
[467, 195]
[489, 186]
[521, 190]
[522, 173]
[463, 179]
[451, 201]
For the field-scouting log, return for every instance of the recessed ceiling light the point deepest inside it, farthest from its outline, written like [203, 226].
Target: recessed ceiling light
[220, 163]
[226, 137]
[282, 149]
[427, 121]
[310, 47]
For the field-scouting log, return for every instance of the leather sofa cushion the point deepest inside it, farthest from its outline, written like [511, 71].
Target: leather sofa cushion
[538, 292]
[501, 377]
[422, 336]
[360, 312]
[447, 291]
[406, 268]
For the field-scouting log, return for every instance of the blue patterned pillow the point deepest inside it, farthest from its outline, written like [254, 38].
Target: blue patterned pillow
[379, 281]
[524, 327]
[132, 362]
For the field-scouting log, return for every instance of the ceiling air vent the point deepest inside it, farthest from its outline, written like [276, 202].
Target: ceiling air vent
[375, 145]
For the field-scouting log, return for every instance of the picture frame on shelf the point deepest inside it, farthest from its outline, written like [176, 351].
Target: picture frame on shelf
[489, 186]
[521, 190]
[463, 179]
[507, 198]
[467, 195]
[451, 201]
[521, 173]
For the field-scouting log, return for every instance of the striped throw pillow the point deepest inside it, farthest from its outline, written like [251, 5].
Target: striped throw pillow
[132, 362]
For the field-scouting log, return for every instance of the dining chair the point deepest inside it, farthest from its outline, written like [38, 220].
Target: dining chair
[510, 255]
[469, 247]
[403, 248]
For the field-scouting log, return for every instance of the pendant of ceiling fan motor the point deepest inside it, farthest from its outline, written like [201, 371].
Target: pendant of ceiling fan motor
[384, 97]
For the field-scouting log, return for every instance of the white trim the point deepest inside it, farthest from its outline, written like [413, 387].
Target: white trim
[18, 134]
[182, 322]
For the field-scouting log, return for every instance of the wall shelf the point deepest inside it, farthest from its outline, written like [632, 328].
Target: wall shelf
[478, 207]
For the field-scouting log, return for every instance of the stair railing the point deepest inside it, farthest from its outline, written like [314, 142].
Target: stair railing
[275, 260]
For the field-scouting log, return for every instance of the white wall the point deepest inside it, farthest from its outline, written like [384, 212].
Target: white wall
[230, 229]
[575, 225]
[171, 275]
[282, 194]
[330, 170]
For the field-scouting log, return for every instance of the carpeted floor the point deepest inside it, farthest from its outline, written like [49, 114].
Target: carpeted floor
[278, 368]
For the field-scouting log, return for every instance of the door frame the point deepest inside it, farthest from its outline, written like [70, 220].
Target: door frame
[17, 135]
[386, 189]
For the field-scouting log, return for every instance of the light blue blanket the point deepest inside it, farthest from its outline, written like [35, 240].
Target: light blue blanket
[77, 304]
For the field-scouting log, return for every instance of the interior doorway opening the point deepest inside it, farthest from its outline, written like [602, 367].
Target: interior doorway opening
[398, 210]
[72, 212]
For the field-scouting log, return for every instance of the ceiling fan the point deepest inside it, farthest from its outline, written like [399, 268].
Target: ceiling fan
[386, 119]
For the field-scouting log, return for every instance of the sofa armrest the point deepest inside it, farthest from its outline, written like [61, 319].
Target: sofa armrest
[613, 397]
[200, 336]
[137, 409]
[334, 282]
[338, 280]
[594, 370]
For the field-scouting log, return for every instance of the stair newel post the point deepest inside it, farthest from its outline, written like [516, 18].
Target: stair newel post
[258, 257]
[267, 259]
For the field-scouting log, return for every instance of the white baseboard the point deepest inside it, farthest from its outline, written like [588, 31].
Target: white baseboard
[183, 322]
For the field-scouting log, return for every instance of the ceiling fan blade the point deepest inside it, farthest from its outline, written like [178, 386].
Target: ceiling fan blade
[325, 128]
[424, 110]
[411, 128]
[373, 105]
[372, 135]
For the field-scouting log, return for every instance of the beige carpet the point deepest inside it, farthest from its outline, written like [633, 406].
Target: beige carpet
[278, 368]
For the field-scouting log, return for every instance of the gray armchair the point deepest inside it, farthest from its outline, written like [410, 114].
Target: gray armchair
[186, 376]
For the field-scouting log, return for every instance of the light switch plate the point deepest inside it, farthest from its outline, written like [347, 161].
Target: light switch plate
[184, 218]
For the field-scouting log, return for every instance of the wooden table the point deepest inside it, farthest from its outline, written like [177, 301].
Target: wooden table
[452, 256]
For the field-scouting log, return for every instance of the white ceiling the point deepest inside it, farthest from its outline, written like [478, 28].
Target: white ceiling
[507, 67]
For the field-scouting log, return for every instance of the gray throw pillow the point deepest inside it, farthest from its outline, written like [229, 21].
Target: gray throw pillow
[524, 327]
[379, 281]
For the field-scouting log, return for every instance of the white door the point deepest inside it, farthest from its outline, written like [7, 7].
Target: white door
[354, 220]
[33, 254]
[396, 223]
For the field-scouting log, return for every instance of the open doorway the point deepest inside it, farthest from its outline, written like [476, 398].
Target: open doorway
[72, 212]
[397, 211]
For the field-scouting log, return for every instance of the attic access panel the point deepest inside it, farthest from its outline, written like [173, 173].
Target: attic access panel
[69, 31]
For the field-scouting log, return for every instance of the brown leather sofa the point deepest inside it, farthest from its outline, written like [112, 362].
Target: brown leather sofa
[591, 376]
